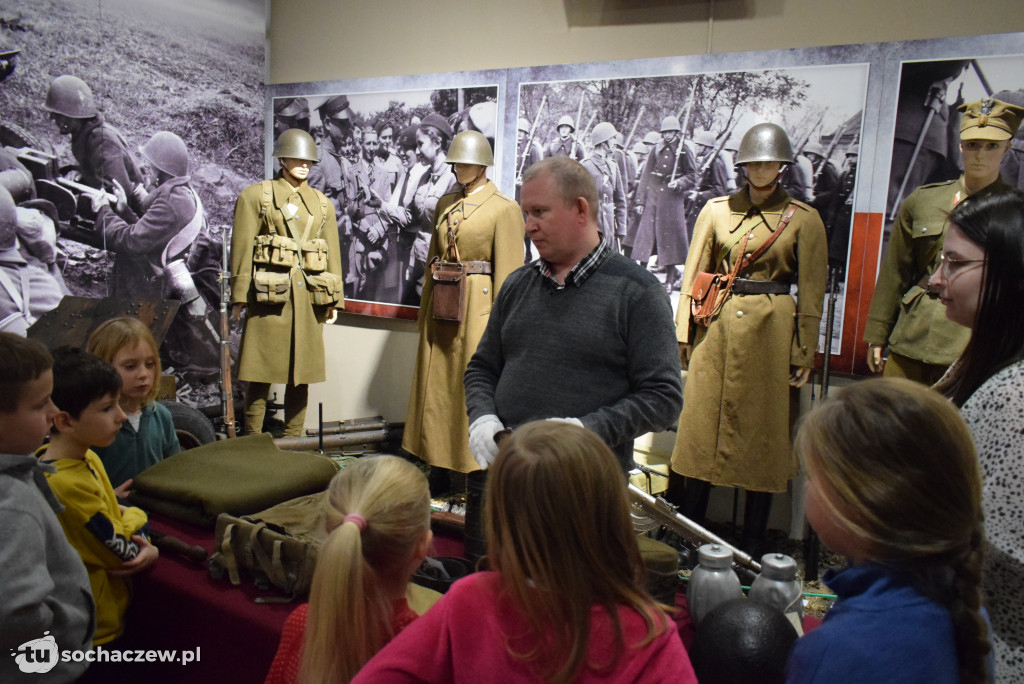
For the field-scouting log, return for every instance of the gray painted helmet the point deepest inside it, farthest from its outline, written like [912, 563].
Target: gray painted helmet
[670, 123]
[72, 97]
[296, 143]
[603, 132]
[470, 147]
[167, 152]
[566, 120]
[765, 142]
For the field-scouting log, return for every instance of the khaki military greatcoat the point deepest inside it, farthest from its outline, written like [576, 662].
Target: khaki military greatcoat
[490, 228]
[735, 425]
[281, 343]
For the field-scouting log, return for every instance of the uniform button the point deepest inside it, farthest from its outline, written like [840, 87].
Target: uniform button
[299, 284]
[739, 314]
[486, 290]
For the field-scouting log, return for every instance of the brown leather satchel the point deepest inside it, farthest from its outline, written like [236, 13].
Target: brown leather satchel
[449, 298]
[710, 290]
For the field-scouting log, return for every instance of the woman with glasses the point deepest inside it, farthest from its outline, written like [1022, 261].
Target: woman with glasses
[981, 284]
[903, 316]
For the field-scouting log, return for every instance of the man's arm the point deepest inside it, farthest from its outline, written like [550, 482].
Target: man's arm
[484, 368]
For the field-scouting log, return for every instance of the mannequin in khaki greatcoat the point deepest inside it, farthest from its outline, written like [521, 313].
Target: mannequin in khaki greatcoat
[735, 425]
[490, 229]
[282, 343]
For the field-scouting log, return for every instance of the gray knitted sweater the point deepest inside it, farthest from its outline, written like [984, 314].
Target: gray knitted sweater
[603, 351]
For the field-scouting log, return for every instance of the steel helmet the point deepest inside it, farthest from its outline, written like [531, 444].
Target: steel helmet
[72, 97]
[705, 138]
[470, 147]
[853, 151]
[603, 132]
[167, 152]
[523, 126]
[566, 120]
[639, 147]
[296, 143]
[670, 123]
[651, 138]
[814, 148]
[765, 142]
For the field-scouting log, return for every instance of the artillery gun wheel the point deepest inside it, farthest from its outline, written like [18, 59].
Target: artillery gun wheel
[193, 428]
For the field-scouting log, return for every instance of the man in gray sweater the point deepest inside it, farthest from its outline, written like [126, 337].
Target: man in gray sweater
[581, 334]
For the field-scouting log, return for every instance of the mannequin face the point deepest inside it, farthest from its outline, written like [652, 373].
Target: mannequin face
[295, 170]
[762, 173]
[467, 173]
[982, 159]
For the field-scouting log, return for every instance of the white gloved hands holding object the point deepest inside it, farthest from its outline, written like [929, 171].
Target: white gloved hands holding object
[481, 439]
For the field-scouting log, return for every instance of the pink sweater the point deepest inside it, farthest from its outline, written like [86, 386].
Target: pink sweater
[463, 638]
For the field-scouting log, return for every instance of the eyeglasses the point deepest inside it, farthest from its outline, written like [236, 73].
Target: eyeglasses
[950, 266]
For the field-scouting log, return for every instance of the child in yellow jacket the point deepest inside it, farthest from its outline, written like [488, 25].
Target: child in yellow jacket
[111, 538]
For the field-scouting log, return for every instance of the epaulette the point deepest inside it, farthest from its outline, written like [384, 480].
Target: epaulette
[499, 193]
[802, 205]
[940, 184]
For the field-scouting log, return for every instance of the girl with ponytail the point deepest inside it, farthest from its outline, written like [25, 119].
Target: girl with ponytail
[378, 524]
[893, 485]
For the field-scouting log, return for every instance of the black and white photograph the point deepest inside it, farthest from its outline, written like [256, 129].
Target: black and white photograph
[926, 140]
[129, 127]
[382, 164]
[639, 136]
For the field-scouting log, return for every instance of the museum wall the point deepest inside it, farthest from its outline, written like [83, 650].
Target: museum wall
[370, 360]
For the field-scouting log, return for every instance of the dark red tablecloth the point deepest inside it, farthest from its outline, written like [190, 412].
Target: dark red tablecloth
[178, 606]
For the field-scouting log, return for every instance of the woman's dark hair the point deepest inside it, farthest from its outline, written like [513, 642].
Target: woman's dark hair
[995, 223]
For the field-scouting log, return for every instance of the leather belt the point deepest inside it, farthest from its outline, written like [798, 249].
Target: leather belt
[472, 267]
[745, 286]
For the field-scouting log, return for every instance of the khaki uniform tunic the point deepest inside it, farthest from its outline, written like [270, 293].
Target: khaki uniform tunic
[490, 229]
[735, 425]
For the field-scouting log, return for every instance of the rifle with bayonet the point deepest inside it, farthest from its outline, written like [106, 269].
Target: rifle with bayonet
[632, 131]
[529, 140]
[579, 115]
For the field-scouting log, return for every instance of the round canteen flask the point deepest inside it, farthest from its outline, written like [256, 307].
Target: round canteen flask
[777, 585]
[712, 582]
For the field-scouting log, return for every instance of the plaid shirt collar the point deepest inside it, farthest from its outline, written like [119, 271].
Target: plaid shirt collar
[580, 271]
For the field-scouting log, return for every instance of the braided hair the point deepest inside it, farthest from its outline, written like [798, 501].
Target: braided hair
[901, 467]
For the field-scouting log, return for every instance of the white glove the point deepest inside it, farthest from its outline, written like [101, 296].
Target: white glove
[572, 421]
[481, 439]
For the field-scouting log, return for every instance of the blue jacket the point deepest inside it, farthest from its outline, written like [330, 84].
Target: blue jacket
[880, 630]
[132, 452]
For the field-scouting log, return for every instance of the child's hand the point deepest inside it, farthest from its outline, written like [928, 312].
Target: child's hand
[147, 556]
[123, 490]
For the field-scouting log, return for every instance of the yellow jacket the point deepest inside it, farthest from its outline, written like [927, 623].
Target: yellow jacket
[100, 532]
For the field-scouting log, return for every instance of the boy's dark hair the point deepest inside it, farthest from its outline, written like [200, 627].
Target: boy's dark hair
[80, 378]
[21, 361]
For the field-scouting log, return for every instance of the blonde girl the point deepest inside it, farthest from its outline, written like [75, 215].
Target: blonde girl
[378, 523]
[147, 436]
[565, 601]
[893, 485]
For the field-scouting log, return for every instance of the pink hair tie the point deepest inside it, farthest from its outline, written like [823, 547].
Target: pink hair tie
[359, 520]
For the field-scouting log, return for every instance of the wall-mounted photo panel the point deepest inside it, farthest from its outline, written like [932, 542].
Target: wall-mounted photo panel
[692, 124]
[160, 105]
[382, 165]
